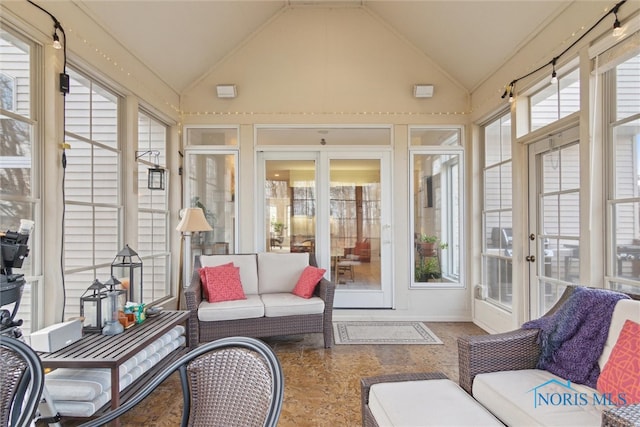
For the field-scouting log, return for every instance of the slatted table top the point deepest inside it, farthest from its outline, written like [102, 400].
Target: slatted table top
[95, 350]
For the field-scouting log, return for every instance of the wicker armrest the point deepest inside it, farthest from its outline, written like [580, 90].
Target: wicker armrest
[492, 353]
[193, 297]
[622, 416]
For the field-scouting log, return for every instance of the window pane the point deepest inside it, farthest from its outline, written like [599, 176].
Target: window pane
[436, 214]
[628, 88]
[497, 214]
[435, 137]
[15, 158]
[555, 101]
[626, 161]
[211, 136]
[212, 184]
[15, 74]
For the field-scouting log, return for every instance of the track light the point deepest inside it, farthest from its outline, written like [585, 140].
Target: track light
[56, 41]
[617, 29]
[554, 75]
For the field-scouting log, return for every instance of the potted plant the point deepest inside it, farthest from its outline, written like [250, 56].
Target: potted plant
[426, 244]
[428, 269]
[277, 227]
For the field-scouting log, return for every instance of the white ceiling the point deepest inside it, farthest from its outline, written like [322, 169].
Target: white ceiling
[182, 40]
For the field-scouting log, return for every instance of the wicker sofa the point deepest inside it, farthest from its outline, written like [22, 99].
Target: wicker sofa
[499, 372]
[270, 308]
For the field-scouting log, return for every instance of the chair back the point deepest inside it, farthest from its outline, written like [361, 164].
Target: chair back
[21, 382]
[234, 386]
[229, 382]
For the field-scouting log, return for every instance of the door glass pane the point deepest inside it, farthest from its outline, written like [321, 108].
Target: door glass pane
[211, 187]
[290, 206]
[558, 243]
[355, 209]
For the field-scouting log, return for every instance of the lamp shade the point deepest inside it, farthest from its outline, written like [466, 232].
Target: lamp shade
[193, 220]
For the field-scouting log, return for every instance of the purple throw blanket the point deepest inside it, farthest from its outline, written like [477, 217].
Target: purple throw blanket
[573, 337]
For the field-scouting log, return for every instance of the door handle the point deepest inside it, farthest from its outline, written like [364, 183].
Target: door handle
[530, 258]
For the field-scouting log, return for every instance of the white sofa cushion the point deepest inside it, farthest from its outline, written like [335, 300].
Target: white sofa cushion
[287, 304]
[426, 403]
[515, 398]
[625, 309]
[247, 264]
[231, 310]
[280, 272]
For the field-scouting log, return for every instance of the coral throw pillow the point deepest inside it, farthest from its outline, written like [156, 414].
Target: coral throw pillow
[203, 278]
[621, 373]
[223, 284]
[308, 281]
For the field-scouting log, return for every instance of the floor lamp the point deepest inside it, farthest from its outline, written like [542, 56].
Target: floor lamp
[192, 220]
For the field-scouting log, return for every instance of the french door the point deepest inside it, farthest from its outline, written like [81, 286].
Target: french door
[554, 233]
[336, 205]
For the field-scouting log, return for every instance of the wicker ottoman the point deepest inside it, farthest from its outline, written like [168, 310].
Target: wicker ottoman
[420, 400]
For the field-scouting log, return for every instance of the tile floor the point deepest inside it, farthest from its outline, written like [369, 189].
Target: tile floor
[322, 386]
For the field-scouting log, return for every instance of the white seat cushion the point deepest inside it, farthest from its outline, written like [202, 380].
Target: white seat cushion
[231, 310]
[280, 272]
[532, 397]
[287, 304]
[426, 403]
[625, 309]
[247, 264]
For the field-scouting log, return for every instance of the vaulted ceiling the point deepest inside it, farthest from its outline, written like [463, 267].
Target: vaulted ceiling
[182, 40]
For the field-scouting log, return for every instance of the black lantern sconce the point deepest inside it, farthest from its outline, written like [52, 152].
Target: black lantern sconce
[129, 266]
[155, 177]
[94, 307]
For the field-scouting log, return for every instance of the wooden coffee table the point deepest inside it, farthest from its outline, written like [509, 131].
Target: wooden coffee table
[100, 351]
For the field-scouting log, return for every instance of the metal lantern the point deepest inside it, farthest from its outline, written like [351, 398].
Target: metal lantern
[113, 326]
[94, 307]
[115, 285]
[128, 265]
[155, 178]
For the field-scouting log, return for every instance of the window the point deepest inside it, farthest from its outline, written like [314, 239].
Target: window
[623, 83]
[436, 171]
[497, 212]
[93, 207]
[211, 185]
[153, 211]
[19, 186]
[555, 101]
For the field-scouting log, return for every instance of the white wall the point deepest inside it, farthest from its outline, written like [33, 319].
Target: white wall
[336, 66]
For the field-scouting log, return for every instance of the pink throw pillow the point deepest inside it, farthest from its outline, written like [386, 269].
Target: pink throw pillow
[622, 371]
[308, 281]
[223, 284]
[203, 278]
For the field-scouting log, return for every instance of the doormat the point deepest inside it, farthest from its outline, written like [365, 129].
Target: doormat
[388, 332]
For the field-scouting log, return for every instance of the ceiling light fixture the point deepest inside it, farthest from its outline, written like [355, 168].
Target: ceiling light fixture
[422, 91]
[226, 91]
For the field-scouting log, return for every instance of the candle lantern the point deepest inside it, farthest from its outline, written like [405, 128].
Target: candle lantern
[128, 265]
[93, 307]
[117, 299]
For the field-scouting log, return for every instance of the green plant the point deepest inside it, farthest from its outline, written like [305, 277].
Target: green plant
[277, 227]
[428, 238]
[428, 269]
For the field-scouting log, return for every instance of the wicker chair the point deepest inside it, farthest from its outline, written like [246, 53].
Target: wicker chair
[234, 381]
[518, 350]
[21, 380]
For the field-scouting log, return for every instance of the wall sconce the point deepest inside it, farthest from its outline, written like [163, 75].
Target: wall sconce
[422, 91]
[226, 91]
[155, 175]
